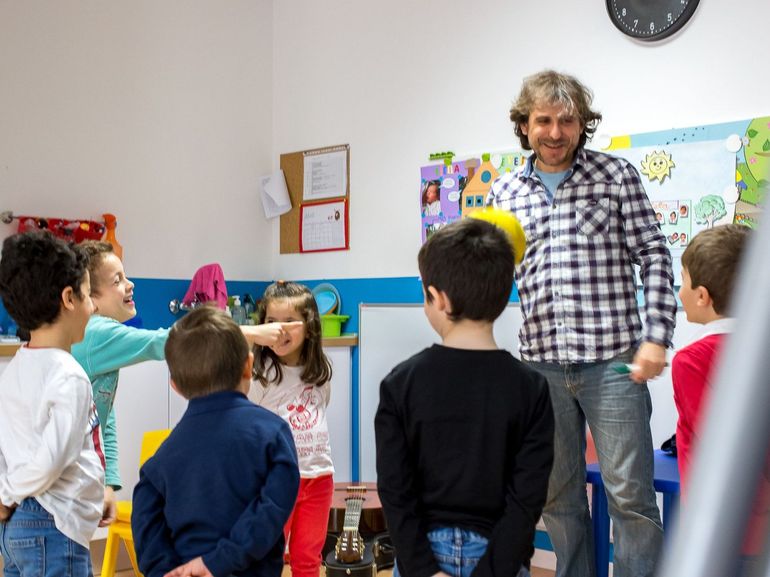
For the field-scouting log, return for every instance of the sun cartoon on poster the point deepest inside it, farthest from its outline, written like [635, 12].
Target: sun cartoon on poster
[657, 165]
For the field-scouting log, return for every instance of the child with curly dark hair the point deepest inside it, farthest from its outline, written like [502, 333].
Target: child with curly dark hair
[51, 467]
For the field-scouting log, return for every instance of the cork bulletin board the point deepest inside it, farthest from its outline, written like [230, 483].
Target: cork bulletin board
[293, 167]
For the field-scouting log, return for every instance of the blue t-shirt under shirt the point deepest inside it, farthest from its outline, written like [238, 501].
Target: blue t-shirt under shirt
[551, 181]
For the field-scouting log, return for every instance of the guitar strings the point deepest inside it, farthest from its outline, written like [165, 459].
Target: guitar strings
[353, 507]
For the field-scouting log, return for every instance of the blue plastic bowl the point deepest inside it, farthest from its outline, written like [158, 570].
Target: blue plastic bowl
[326, 302]
[327, 298]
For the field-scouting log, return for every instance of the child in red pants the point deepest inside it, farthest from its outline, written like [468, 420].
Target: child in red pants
[293, 381]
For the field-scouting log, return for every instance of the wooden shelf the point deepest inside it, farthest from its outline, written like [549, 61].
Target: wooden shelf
[344, 340]
[8, 349]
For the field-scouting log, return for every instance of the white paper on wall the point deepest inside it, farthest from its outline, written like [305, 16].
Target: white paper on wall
[275, 195]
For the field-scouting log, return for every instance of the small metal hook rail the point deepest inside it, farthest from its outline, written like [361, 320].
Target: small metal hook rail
[7, 217]
[175, 306]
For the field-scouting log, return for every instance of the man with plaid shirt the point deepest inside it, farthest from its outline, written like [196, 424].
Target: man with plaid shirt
[588, 220]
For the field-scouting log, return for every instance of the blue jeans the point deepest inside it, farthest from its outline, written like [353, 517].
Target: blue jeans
[32, 545]
[618, 412]
[458, 551]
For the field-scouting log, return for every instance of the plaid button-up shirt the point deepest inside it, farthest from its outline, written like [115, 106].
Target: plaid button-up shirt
[576, 281]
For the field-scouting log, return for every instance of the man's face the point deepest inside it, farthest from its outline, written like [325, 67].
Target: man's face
[554, 134]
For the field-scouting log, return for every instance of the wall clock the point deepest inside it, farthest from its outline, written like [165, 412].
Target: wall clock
[650, 20]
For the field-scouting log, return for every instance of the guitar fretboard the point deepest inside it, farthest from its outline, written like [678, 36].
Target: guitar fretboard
[353, 505]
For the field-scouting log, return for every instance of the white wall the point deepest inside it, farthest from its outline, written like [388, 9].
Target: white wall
[165, 113]
[400, 79]
[158, 112]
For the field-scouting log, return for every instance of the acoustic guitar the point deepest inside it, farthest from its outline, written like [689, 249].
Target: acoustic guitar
[372, 521]
[350, 544]
[357, 544]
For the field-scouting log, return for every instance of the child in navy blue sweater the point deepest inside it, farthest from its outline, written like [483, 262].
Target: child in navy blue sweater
[215, 497]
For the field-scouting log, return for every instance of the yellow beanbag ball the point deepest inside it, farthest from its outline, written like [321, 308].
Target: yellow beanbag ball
[509, 223]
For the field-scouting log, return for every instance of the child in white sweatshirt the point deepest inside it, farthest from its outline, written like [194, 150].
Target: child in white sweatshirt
[51, 466]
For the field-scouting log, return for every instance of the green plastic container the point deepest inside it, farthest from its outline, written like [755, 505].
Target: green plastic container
[331, 325]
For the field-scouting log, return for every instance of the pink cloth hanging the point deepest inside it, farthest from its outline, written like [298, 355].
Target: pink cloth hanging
[207, 285]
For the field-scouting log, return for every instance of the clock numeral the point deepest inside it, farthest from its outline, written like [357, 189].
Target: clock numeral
[670, 17]
[623, 12]
[636, 21]
[652, 26]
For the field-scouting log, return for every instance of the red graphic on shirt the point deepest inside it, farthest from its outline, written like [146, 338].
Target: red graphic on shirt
[93, 425]
[303, 411]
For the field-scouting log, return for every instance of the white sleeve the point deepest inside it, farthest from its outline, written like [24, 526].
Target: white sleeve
[64, 424]
[7, 501]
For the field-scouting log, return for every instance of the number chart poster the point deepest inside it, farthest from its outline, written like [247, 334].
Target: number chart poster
[696, 178]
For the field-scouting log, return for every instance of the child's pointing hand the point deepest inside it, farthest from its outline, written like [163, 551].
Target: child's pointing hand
[271, 334]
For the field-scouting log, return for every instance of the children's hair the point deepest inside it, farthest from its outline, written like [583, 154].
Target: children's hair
[206, 352]
[96, 251]
[550, 87]
[35, 268]
[472, 262]
[712, 259]
[426, 188]
[316, 368]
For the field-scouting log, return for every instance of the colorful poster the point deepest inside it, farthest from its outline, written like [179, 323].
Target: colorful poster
[696, 178]
[691, 187]
[451, 190]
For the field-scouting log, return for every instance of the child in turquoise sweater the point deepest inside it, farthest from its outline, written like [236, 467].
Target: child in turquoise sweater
[109, 345]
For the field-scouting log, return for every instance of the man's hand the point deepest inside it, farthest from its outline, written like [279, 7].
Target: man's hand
[6, 512]
[109, 509]
[194, 568]
[649, 362]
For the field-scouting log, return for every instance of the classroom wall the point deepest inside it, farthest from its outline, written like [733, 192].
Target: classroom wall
[398, 80]
[158, 112]
[165, 113]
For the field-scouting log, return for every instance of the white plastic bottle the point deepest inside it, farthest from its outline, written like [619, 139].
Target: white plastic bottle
[239, 313]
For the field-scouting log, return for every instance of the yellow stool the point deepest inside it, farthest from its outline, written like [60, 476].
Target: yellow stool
[120, 530]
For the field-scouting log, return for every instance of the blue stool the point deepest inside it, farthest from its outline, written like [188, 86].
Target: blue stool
[665, 480]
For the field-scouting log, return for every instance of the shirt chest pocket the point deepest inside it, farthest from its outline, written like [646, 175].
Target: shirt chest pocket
[592, 215]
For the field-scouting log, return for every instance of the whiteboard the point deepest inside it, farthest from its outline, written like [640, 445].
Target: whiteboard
[391, 333]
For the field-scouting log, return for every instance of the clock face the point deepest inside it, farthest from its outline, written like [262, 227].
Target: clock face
[650, 19]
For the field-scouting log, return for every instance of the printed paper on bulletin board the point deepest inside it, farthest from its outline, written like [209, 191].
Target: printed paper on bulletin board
[293, 165]
[324, 226]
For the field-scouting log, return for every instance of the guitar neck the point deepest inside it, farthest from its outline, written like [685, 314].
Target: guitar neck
[352, 514]
[353, 505]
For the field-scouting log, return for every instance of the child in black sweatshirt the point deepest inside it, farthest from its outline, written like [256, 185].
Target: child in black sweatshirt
[464, 430]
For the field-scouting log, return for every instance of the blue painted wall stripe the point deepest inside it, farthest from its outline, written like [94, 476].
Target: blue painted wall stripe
[153, 295]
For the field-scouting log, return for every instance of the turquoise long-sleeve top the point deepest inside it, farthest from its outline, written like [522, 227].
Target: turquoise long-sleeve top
[107, 347]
